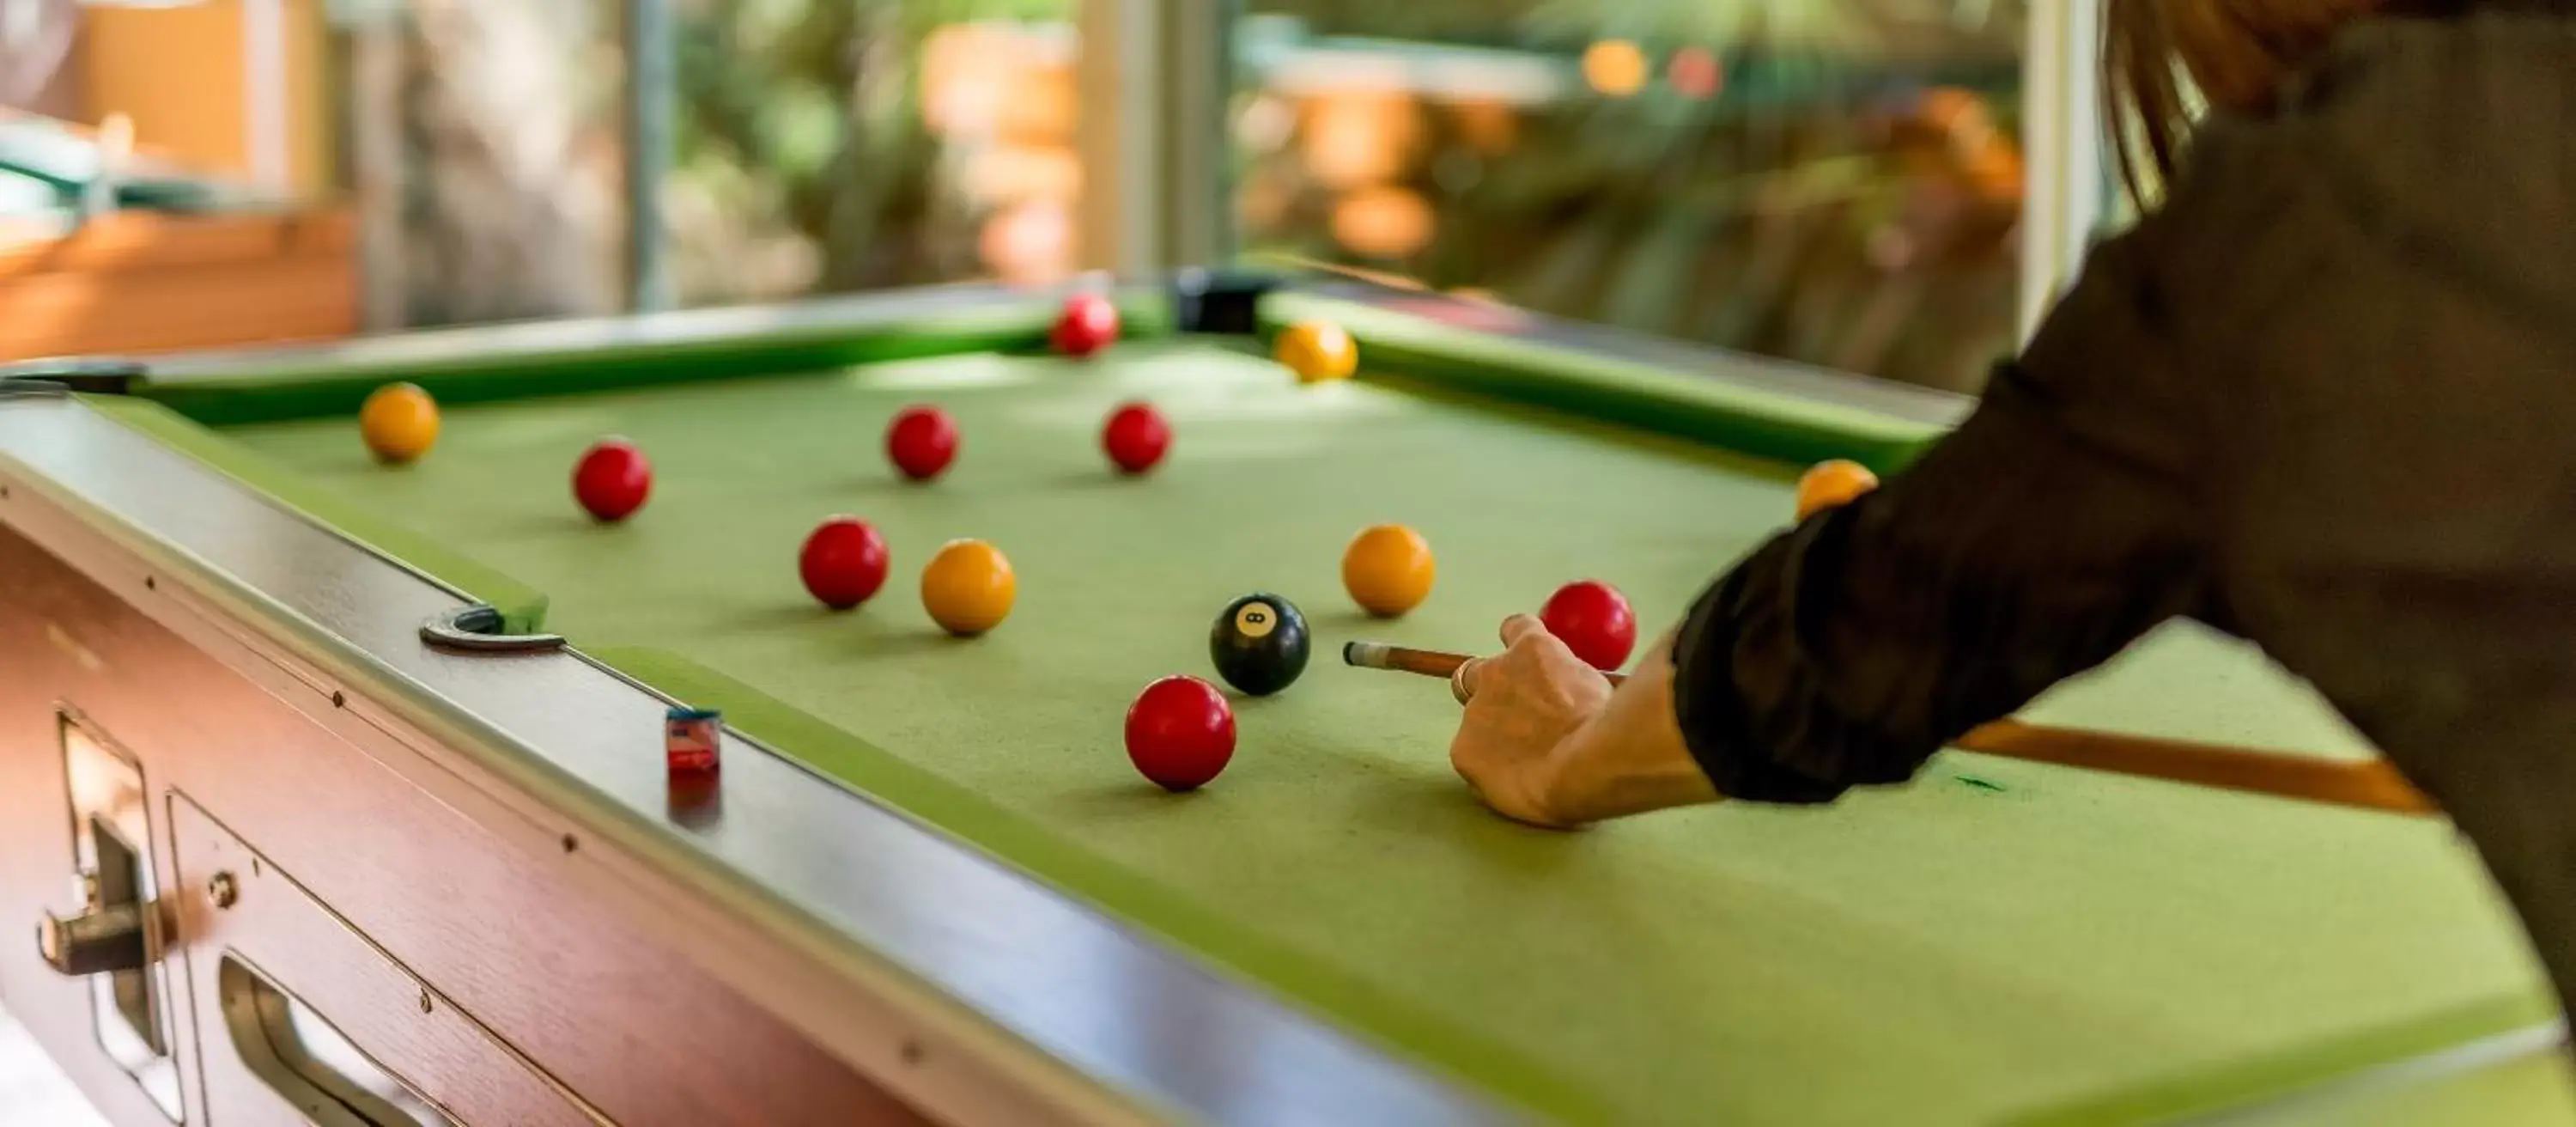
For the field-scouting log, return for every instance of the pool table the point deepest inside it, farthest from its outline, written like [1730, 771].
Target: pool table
[928, 884]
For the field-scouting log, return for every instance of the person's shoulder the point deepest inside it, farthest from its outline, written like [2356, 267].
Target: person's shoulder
[2402, 121]
[2451, 132]
[2489, 67]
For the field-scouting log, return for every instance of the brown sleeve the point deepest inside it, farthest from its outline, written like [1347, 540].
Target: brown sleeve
[2051, 529]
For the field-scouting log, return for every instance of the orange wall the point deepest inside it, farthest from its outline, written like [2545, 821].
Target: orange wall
[178, 72]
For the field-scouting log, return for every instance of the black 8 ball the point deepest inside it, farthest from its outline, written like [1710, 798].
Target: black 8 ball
[1259, 643]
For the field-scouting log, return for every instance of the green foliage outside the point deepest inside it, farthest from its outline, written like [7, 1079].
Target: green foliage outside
[1788, 214]
[804, 162]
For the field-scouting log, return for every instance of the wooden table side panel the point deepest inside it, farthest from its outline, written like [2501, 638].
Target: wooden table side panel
[633, 1029]
[384, 1010]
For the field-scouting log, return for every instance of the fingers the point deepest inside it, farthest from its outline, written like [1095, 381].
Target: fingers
[1462, 681]
[1516, 629]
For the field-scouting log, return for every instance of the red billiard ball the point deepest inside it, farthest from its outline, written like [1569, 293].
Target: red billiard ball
[1180, 733]
[612, 479]
[921, 441]
[1135, 437]
[1089, 323]
[1594, 620]
[843, 563]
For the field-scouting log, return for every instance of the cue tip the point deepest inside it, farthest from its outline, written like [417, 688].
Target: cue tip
[1400, 659]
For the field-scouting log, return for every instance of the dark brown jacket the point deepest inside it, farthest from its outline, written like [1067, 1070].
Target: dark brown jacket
[2324, 398]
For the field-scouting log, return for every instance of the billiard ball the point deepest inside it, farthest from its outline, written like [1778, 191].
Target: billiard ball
[399, 422]
[921, 441]
[843, 563]
[612, 479]
[1089, 323]
[1832, 485]
[1135, 437]
[1259, 643]
[1594, 620]
[1317, 351]
[1388, 569]
[968, 587]
[1180, 733]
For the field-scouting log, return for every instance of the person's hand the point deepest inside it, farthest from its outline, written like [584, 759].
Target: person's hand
[1547, 741]
[1521, 705]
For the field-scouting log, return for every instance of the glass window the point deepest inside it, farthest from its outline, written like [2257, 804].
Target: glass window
[825, 146]
[481, 145]
[814, 146]
[1837, 183]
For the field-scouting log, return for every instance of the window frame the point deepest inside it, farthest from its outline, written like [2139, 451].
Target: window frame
[1156, 194]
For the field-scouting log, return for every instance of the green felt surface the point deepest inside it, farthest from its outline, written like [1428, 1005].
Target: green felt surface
[2527, 1091]
[522, 607]
[1998, 941]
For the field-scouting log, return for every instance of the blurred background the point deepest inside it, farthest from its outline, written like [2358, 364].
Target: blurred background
[1887, 187]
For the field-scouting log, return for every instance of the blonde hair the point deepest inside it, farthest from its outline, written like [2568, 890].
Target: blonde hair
[2235, 54]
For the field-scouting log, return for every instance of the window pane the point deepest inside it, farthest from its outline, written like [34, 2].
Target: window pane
[1838, 183]
[480, 143]
[825, 145]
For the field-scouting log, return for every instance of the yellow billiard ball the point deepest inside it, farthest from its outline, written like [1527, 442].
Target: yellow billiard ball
[1388, 569]
[1317, 351]
[1831, 485]
[968, 587]
[399, 422]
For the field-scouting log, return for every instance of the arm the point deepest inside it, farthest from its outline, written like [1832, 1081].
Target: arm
[2033, 544]
[2055, 526]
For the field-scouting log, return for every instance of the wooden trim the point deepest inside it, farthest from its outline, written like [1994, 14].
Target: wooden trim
[134, 282]
[132, 240]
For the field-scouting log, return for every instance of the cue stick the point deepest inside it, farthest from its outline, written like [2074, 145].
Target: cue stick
[2373, 785]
